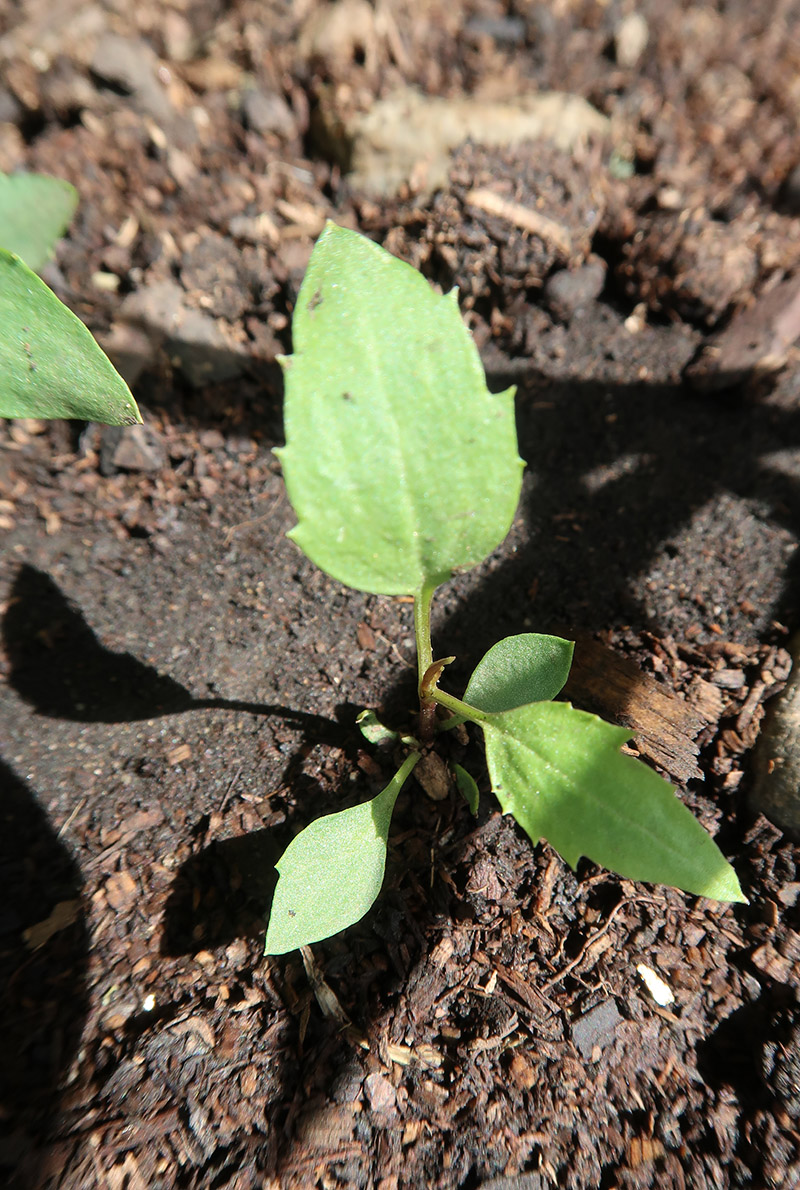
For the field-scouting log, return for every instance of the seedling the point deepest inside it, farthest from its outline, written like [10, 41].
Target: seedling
[403, 470]
[50, 366]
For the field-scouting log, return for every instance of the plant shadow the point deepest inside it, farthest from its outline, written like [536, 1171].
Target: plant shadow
[222, 893]
[63, 671]
[627, 482]
[43, 964]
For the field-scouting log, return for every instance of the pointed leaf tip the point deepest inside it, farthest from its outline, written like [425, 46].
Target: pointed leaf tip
[560, 772]
[50, 366]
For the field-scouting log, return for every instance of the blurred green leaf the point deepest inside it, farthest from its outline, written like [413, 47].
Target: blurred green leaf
[34, 212]
[50, 366]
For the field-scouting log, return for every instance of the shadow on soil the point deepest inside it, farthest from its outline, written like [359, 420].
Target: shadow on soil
[614, 475]
[222, 893]
[58, 665]
[43, 961]
[724, 1060]
[62, 670]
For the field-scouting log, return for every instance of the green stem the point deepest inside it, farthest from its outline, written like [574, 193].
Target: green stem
[458, 707]
[399, 778]
[422, 630]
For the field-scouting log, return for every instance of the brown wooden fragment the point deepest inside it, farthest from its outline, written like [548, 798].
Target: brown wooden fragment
[755, 342]
[664, 726]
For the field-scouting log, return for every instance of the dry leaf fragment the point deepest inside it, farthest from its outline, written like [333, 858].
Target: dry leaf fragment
[63, 915]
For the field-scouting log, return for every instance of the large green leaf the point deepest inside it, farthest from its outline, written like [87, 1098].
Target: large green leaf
[34, 213]
[50, 366]
[518, 670]
[400, 464]
[561, 774]
[331, 873]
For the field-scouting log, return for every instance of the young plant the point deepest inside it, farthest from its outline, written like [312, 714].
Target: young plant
[50, 366]
[403, 470]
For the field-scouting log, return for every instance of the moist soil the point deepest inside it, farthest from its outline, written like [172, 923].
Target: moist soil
[179, 684]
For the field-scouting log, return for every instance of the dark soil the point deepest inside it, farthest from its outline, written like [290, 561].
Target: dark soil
[180, 685]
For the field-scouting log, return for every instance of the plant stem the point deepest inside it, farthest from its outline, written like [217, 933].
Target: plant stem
[399, 779]
[422, 632]
[428, 701]
[458, 707]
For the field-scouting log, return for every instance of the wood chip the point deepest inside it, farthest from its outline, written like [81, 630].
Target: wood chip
[121, 890]
[365, 637]
[63, 915]
[126, 1176]
[380, 1094]
[643, 1149]
[325, 996]
[179, 755]
[781, 968]
[664, 726]
[197, 1025]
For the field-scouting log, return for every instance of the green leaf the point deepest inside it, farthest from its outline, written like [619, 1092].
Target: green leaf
[560, 772]
[401, 466]
[467, 787]
[50, 366]
[34, 213]
[373, 730]
[520, 670]
[376, 732]
[332, 872]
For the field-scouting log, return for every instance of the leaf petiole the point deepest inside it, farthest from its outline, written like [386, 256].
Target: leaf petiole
[458, 707]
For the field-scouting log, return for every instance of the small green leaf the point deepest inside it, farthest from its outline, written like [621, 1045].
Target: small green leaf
[520, 670]
[560, 772]
[467, 787]
[376, 732]
[332, 872]
[34, 212]
[373, 730]
[50, 366]
[401, 466]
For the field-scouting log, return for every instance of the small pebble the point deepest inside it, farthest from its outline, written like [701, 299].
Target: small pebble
[570, 290]
[630, 40]
[265, 112]
[596, 1028]
[131, 448]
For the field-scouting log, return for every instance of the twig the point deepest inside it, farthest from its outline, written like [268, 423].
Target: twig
[235, 778]
[69, 821]
[522, 217]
